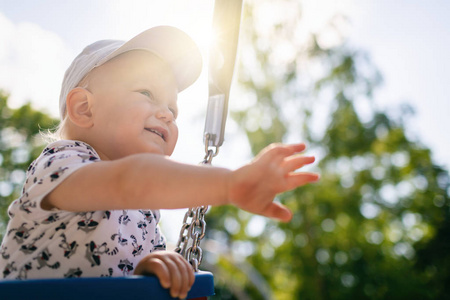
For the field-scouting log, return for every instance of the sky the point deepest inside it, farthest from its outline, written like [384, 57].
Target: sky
[408, 41]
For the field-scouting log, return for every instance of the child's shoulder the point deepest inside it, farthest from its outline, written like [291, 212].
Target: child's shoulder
[58, 156]
[64, 145]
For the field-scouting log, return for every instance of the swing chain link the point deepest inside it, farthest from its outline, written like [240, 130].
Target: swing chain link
[184, 233]
[194, 224]
[208, 157]
[209, 153]
[194, 227]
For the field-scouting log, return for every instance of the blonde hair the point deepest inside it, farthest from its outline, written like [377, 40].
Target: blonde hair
[56, 133]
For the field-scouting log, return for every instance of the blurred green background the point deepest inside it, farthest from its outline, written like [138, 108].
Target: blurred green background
[377, 225]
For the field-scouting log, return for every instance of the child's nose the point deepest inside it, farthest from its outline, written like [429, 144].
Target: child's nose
[165, 113]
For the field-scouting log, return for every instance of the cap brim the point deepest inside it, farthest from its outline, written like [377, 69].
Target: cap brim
[172, 45]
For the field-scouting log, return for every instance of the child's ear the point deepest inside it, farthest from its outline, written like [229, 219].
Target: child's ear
[78, 107]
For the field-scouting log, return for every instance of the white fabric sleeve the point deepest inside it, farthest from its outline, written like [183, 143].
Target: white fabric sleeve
[57, 162]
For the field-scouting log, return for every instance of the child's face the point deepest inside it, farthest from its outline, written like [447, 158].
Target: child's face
[134, 107]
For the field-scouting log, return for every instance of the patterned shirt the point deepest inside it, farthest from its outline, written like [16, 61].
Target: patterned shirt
[55, 243]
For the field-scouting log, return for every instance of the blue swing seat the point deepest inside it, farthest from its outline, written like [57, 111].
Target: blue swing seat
[133, 287]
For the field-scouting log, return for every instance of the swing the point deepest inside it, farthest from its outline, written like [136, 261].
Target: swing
[226, 20]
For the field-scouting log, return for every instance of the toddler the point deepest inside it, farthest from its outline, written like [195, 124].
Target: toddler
[90, 203]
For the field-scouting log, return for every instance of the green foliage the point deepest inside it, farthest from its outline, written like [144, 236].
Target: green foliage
[376, 226]
[20, 143]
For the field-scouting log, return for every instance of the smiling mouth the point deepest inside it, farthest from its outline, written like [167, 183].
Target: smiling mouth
[156, 132]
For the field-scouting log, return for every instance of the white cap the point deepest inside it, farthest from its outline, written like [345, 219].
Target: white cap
[171, 44]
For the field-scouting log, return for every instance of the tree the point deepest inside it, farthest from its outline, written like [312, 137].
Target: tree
[20, 143]
[377, 224]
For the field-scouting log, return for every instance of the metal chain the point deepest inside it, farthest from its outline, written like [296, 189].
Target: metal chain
[210, 154]
[194, 227]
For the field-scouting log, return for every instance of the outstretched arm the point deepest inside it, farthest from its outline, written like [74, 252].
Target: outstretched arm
[155, 182]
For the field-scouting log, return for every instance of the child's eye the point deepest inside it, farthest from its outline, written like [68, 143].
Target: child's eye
[174, 112]
[146, 93]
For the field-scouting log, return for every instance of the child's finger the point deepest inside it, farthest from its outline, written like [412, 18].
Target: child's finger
[293, 148]
[278, 211]
[295, 162]
[187, 275]
[156, 267]
[189, 272]
[301, 178]
[175, 276]
[297, 148]
[281, 151]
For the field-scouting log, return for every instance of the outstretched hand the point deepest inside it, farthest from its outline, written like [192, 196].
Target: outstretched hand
[253, 187]
[172, 270]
